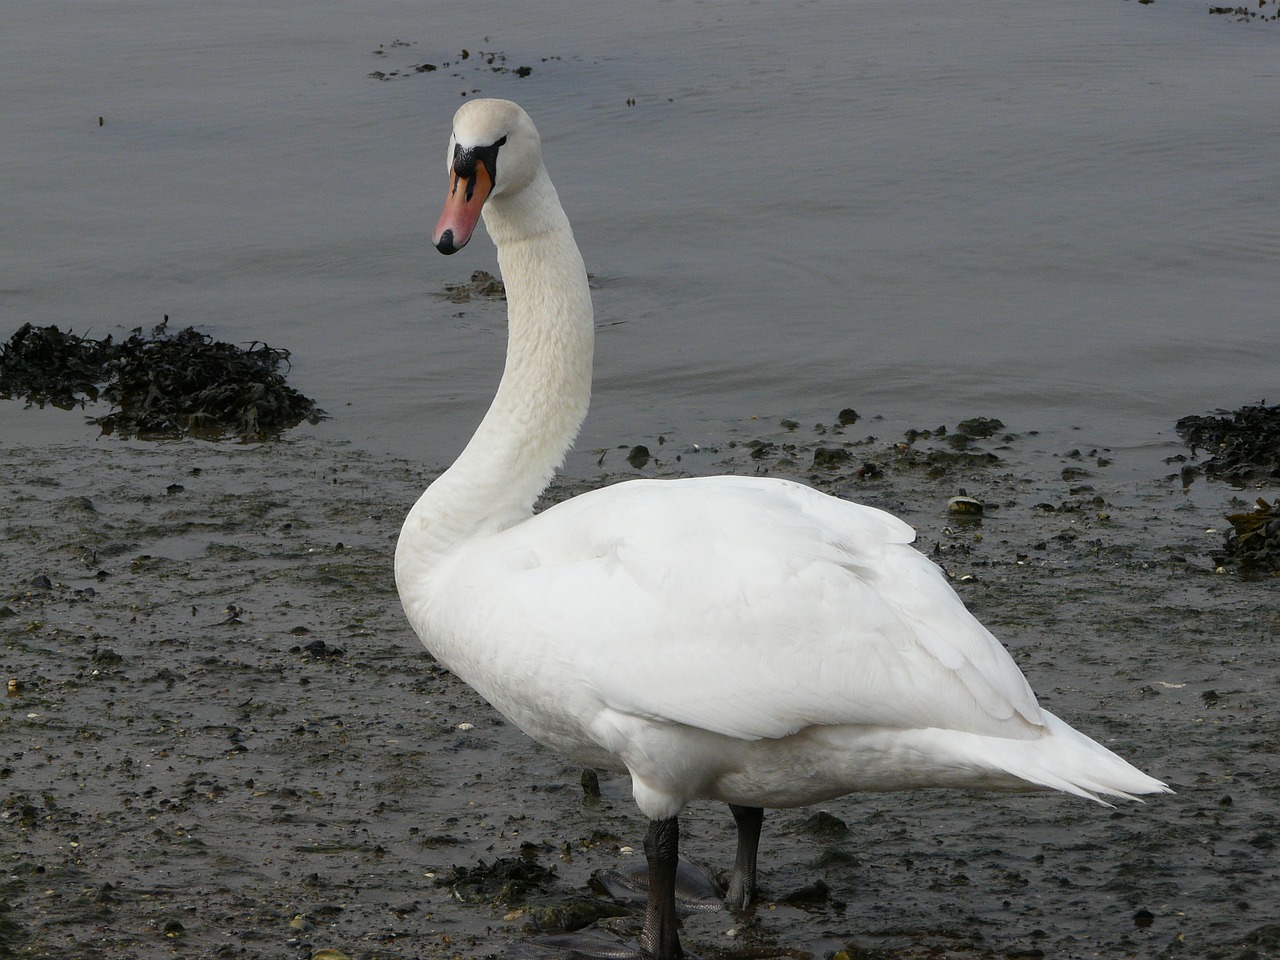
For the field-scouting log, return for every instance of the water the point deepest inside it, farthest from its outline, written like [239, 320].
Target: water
[1060, 216]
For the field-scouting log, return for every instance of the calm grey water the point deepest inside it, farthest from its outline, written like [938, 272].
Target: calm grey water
[1060, 215]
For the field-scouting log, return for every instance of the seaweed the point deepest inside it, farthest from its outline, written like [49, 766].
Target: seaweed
[1243, 446]
[48, 366]
[483, 285]
[1254, 541]
[508, 880]
[160, 384]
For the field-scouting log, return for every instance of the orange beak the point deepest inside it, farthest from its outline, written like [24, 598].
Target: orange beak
[462, 208]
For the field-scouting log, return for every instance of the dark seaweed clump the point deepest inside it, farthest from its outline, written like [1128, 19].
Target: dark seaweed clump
[1254, 541]
[482, 286]
[46, 365]
[160, 384]
[1244, 446]
[507, 880]
[1244, 11]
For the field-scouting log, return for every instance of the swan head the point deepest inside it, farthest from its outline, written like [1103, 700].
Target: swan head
[494, 150]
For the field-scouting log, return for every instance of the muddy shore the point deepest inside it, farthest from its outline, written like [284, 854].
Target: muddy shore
[222, 740]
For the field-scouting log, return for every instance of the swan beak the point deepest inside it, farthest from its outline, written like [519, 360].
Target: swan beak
[462, 208]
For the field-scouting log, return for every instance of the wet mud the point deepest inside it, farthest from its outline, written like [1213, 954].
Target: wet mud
[220, 738]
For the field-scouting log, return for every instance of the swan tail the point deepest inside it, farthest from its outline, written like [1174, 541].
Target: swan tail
[1067, 760]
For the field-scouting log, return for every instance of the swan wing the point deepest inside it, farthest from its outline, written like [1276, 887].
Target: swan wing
[752, 608]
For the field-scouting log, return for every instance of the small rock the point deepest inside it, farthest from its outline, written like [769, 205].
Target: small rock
[831, 457]
[173, 929]
[964, 506]
[979, 427]
[815, 894]
[826, 826]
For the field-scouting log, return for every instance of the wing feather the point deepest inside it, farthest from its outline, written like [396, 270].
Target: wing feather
[753, 608]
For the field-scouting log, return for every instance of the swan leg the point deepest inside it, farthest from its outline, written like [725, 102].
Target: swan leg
[742, 882]
[659, 940]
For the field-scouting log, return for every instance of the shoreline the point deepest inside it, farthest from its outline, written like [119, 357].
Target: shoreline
[225, 740]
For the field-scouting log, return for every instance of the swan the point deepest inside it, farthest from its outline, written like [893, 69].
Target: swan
[747, 640]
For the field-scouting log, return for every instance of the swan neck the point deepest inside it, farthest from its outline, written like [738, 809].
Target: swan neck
[545, 389]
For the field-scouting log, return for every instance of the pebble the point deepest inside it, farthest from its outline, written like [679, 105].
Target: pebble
[965, 507]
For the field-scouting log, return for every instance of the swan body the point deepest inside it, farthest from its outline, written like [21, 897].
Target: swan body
[746, 640]
[740, 639]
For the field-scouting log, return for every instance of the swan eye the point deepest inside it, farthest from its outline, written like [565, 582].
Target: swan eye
[466, 159]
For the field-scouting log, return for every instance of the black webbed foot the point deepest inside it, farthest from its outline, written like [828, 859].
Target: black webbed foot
[696, 889]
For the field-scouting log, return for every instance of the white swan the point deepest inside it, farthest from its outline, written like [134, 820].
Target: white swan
[746, 640]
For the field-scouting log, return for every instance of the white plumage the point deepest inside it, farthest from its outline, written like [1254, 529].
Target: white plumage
[740, 639]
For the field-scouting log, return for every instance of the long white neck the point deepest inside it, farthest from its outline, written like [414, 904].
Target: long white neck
[545, 389]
